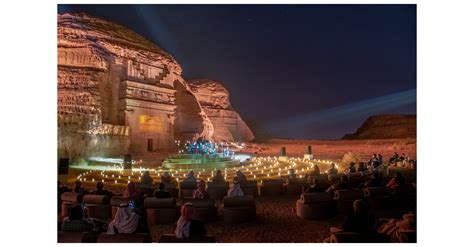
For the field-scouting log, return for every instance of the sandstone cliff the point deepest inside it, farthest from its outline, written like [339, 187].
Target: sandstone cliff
[214, 99]
[385, 127]
[119, 93]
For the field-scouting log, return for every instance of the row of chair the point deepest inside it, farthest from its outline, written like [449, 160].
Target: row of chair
[269, 187]
[322, 205]
[164, 210]
[84, 237]
[356, 237]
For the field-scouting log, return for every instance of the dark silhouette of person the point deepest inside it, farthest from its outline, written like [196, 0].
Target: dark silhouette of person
[161, 193]
[100, 190]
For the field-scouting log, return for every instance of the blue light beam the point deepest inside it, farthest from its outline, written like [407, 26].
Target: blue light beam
[339, 113]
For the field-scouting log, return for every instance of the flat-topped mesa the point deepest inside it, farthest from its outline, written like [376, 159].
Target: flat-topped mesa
[385, 127]
[215, 100]
[119, 93]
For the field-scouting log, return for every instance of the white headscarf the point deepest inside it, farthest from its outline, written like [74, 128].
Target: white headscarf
[126, 221]
[183, 226]
[235, 191]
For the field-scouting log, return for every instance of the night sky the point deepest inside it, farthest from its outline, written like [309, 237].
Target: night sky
[293, 71]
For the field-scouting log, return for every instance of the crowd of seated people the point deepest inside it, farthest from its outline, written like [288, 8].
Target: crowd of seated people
[402, 161]
[128, 218]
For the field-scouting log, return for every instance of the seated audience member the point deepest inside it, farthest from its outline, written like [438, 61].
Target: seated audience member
[132, 194]
[394, 158]
[190, 177]
[380, 159]
[412, 164]
[187, 227]
[351, 168]
[374, 180]
[395, 227]
[315, 171]
[291, 174]
[235, 190]
[333, 169]
[78, 188]
[76, 222]
[374, 161]
[402, 157]
[361, 167]
[405, 160]
[79, 221]
[166, 178]
[342, 185]
[397, 180]
[218, 177]
[314, 187]
[160, 192]
[146, 184]
[126, 221]
[241, 176]
[63, 188]
[100, 190]
[146, 179]
[360, 221]
[200, 192]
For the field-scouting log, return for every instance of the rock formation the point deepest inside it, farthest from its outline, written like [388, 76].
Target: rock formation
[118, 93]
[386, 127]
[214, 99]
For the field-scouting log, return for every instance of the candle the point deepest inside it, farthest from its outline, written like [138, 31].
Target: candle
[115, 181]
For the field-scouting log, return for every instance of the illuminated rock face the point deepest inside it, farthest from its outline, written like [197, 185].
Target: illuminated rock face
[386, 127]
[214, 99]
[118, 93]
